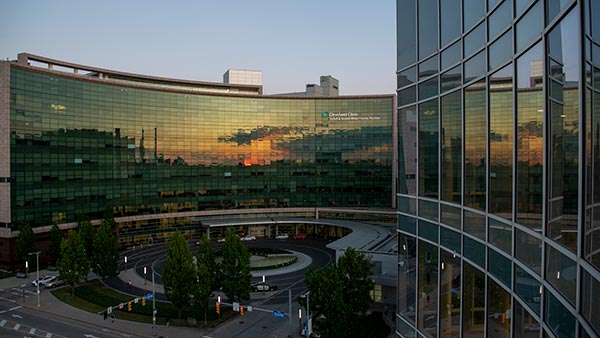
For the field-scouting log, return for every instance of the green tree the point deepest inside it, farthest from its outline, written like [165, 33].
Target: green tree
[329, 308]
[339, 292]
[205, 276]
[25, 241]
[109, 216]
[73, 264]
[105, 256]
[354, 267]
[179, 272]
[86, 232]
[56, 238]
[235, 268]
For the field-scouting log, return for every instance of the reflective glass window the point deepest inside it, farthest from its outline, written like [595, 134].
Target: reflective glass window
[473, 302]
[474, 40]
[407, 224]
[450, 239]
[404, 329]
[475, 176]
[428, 209]
[451, 55]
[450, 287]
[407, 205]
[500, 19]
[528, 288]
[492, 4]
[475, 67]
[530, 133]
[451, 130]
[406, 34]
[500, 267]
[428, 88]
[428, 149]
[595, 14]
[500, 51]
[451, 216]
[528, 250]
[475, 224]
[428, 67]
[501, 142]
[520, 6]
[529, 26]
[449, 20]
[561, 272]
[474, 251]
[473, 11]
[525, 325]
[407, 150]
[554, 7]
[590, 300]
[428, 230]
[407, 277]
[407, 77]
[427, 303]
[499, 311]
[407, 96]
[451, 79]
[500, 235]
[563, 157]
[558, 318]
[428, 28]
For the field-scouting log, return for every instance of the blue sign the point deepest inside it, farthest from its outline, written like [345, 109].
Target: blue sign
[279, 314]
[149, 296]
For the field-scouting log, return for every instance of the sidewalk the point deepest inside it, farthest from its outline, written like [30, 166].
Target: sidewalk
[51, 305]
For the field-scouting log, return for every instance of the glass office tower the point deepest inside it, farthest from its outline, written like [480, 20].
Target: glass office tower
[78, 143]
[499, 168]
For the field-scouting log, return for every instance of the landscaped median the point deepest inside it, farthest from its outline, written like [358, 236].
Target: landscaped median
[95, 297]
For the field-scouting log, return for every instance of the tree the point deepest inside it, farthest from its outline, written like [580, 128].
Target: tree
[25, 241]
[206, 268]
[340, 291]
[56, 238]
[105, 256]
[86, 231]
[235, 268]
[73, 264]
[354, 267]
[179, 272]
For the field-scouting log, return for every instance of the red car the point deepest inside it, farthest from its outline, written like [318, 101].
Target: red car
[300, 236]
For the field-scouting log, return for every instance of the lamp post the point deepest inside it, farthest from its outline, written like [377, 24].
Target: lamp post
[144, 275]
[300, 319]
[26, 268]
[37, 261]
[125, 262]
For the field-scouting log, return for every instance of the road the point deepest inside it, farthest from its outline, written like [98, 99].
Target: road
[17, 320]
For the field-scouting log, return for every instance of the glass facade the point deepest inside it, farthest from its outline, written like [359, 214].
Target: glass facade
[509, 148]
[78, 145]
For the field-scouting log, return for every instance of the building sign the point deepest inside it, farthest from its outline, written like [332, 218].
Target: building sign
[349, 116]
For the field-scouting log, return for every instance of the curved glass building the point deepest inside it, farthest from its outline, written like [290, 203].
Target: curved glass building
[79, 141]
[499, 168]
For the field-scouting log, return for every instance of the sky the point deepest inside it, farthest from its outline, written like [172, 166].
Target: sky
[292, 42]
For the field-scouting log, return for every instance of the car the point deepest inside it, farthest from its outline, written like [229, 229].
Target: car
[284, 236]
[20, 275]
[222, 240]
[263, 287]
[300, 236]
[55, 283]
[248, 238]
[43, 280]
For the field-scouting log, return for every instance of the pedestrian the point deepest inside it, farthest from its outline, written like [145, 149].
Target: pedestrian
[112, 316]
[129, 285]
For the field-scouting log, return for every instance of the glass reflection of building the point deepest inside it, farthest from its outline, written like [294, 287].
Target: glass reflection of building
[147, 146]
[499, 168]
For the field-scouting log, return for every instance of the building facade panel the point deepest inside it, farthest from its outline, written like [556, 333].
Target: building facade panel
[517, 169]
[5, 215]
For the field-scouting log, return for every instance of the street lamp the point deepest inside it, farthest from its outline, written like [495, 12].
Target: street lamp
[300, 319]
[26, 268]
[125, 262]
[37, 261]
[144, 275]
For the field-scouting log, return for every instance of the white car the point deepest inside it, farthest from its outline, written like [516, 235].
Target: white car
[248, 238]
[284, 236]
[222, 240]
[43, 280]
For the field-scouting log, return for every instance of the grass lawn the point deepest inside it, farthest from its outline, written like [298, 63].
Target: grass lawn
[272, 262]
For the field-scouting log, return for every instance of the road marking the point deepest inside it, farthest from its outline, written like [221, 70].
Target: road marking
[17, 326]
[11, 309]
[48, 335]
[16, 316]
[3, 322]
[8, 300]
[89, 336]
[32, 331]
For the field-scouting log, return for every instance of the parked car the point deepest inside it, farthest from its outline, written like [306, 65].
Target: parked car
[284, 236]
[55, 283]
[263, 287]
[43, 280]
[248, 238]
[300, 236]
[20, 275]
[222, 240]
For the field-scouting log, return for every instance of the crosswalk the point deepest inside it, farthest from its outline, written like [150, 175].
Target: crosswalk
[15, 296]
[26, 330]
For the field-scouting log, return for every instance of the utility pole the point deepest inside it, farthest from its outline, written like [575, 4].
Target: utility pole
[153, 303]
[290, 312]
[37, 261]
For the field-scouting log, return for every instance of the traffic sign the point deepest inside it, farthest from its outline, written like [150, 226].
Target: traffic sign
[279, 314]
[149, 296]
[236, 306]
[249, 308]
